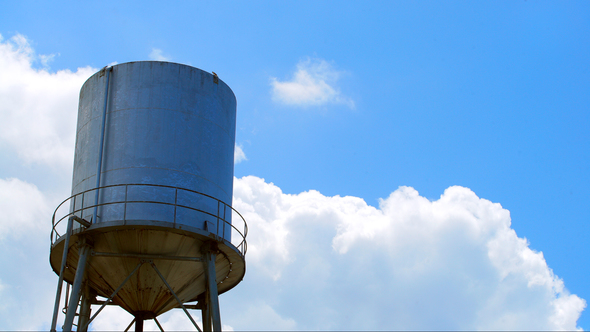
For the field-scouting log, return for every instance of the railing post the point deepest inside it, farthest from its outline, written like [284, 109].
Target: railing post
[74, 207]
[125, 204]
[81, 207]
[224, 221]
[218, 213]
[175, 204]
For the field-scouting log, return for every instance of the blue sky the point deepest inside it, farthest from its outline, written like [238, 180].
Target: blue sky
[340, 97]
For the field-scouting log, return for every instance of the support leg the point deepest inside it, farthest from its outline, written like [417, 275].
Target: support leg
[130, 324]
[88, 296]
[75, 296]
[61, 274]
[205, 315]
[139, 323]
[210, 253]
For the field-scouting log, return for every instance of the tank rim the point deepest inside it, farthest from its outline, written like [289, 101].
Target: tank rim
[110, 67]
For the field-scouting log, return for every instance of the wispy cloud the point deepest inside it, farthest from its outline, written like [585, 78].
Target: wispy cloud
[239, 154]
[158, 55]
[314, 83]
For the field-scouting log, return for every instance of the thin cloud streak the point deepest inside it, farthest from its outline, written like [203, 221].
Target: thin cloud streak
[158, 55]
[239, 154]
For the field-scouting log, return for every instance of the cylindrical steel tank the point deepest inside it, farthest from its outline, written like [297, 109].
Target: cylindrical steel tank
[153, 174]
[166, 124]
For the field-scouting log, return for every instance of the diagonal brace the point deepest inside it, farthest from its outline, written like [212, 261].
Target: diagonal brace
[130, 324]
[175, 296]
[158, 323]
[113, 295]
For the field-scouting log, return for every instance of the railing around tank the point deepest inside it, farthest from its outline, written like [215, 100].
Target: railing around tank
[221, 226]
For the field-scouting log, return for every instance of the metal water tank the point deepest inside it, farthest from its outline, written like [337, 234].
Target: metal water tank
[168, 126]
[153, 177]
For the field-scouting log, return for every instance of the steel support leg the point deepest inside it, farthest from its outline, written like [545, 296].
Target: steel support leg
[77, 285]
[205, 315]
[210, 253]
[139, 323]
[88, 296]
[61, 274]
[130, 324]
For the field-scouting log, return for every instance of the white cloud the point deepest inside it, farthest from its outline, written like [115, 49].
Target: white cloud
[158, 55]
[313, 84]
[111, 318]
[337, 263]
[46, 59]
[25, 210]
[239, 154]
[250, 318]
[38, 107]
[267, 244]
[27, 282]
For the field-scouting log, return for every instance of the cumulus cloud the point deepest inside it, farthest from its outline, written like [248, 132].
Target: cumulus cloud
[337, 263]
[314, 83]
[158, 55]
[239, 154]
[24, 209]
[27, 284]
[38, 107]
[249, 318]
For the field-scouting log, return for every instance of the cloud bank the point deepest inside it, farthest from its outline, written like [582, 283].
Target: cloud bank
[38, 107]
[336, 263]
[313, 84]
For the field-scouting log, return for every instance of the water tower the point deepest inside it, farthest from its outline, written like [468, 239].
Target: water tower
[149, 226]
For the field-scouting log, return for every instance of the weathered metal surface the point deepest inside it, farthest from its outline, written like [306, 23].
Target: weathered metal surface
[166, 124]
[165, 184]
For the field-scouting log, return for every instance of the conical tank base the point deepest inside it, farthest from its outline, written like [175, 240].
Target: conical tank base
[117, 251]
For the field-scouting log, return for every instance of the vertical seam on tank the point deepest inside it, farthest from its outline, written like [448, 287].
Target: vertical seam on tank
[101, 143]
